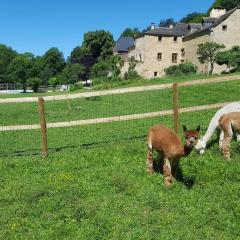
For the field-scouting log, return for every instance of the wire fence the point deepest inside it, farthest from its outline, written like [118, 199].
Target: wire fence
[111, 116]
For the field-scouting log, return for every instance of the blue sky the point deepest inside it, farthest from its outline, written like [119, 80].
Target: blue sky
[37, 25]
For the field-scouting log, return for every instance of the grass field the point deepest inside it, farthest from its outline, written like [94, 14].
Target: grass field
[122, 104]
[121, 84]
[94, 184]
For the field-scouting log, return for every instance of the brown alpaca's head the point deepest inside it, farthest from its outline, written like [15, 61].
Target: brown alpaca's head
[191, 136]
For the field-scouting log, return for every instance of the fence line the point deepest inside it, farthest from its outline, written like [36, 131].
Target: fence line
[121, 90]
[112, 119]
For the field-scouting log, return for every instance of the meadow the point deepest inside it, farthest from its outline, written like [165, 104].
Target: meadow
[93, 184]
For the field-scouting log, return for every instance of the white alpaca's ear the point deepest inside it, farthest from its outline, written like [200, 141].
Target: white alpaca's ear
[184, 128]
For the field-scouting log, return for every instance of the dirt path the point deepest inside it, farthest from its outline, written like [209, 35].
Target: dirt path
[120, 90]
[111, 119]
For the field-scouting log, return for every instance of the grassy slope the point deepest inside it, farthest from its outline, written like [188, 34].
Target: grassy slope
[26, 113]
[94, 183]
[121, 84]
[94, 186]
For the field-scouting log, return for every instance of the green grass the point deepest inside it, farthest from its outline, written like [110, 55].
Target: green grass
[121, 84]
[122, 104]
[94, 185]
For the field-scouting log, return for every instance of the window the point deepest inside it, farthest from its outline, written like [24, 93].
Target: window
[155, 74]
[183, 52]
[224, 27]
[140, 57]
[159, 56]
[174, 57]
[159, 38]
[175, 39]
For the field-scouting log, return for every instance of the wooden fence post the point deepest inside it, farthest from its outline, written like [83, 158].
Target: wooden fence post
[175, 108]
[43, 126]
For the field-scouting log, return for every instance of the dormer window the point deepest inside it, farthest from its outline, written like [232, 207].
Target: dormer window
[175, 39]
[224, 28]
[159, 38]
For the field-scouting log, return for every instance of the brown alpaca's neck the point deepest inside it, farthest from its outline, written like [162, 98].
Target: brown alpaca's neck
[186, 150]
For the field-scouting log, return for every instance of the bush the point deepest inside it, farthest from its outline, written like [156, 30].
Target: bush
[173, 70]
[132, 74]
[75, 87]
[34, 83]
[183, 68]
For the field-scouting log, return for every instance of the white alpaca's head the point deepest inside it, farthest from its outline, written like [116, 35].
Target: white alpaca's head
[200, 146]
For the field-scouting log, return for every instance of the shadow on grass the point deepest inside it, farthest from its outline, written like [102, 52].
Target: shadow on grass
[37, 152]
[177, 173]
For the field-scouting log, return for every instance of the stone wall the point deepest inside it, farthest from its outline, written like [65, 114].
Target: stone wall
[229, 37]
[147, 49]
[191, 47]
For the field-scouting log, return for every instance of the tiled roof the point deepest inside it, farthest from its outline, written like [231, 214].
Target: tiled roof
[124, 43]
[214, 24]
[178, 30]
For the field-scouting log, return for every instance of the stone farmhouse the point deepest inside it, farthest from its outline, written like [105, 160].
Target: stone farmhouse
[162, 47]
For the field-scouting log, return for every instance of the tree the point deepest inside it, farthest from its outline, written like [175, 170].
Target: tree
[98, 44]
[129, 32]
[225, 4]
[132, 73]
[72, 73]
[34, 83]
[19, 70]
[194, 17]
[109, 69]
[167, 22]
[207, 52]
[148, 28]
[81, 56]
[54, 81]
[6, 56]
[230, 57]
[52, 64]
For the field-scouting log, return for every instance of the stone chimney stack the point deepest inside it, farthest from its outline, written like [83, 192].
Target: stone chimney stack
[217, 12]
[153, 26]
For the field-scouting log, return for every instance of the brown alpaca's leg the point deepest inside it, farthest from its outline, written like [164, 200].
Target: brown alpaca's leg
[176, 169]
[150, 161]
[160, 162]
[167, 173]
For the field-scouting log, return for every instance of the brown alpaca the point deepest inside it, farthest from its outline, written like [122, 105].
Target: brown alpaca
[169, 148]
[228, 123]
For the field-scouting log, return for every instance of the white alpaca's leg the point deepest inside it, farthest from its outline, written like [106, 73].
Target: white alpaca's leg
[238, 137]
[221, 137]
[167, 173]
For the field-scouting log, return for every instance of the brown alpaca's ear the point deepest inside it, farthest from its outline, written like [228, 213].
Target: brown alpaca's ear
[198, 128]
[184, 128]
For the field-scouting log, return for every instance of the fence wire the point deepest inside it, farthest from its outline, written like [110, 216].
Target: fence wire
[109, 118]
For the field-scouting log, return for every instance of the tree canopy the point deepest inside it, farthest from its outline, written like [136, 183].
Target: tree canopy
[225, 4]
[167, 22]
[207, 52]
[230, 57]
[98, 44]
[129, 32]
[194, 17]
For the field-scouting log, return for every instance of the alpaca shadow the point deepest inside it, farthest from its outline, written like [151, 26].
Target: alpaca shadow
[176, 171]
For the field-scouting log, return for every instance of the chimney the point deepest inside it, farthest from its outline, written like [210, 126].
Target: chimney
[217, 12]
[153, 26]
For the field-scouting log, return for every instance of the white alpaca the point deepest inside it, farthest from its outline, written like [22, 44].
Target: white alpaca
[201, 145]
